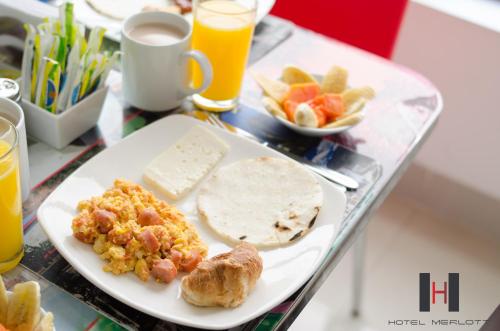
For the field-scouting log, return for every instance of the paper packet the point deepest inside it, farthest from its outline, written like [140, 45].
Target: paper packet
[27, 60]
[95, 39]
[72, 64]
[75, 84]
[67, 22]
[102, 74]
[50, 26]
[42, 48]
[48, 85]
[60, 67]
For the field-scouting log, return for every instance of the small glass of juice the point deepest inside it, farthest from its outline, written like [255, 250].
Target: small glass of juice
[11, 220]
[222, 30]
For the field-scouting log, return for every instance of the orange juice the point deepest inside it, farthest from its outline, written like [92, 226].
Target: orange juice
[223, 31]
[11, 231]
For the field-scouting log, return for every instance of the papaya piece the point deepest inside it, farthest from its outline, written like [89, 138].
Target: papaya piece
[289, 107]
[320, 116]
[303, 92]
[334, 106]
[330, 104]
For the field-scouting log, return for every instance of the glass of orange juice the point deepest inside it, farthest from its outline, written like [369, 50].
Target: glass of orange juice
[11, 220]
[222, 30]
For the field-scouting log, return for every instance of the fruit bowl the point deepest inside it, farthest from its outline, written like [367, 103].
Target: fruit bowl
[314, 105]
[22, 307]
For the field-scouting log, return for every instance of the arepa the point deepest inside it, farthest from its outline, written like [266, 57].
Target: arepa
[265, 201]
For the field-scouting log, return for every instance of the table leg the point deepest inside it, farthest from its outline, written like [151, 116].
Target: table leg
[359, 262]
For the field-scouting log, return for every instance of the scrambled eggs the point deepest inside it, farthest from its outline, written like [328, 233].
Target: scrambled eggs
[133, 231]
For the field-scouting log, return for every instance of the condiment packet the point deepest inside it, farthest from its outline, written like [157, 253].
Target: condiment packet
[87, 74]
[105, 69]
[59, 50]
[67, 22]
[42, 47]
[27, 59]
[98, 74]
[57, 47]
[50, 26]
[101, 60]
[80, 35]
[95, 39]
[74, 87]
[72, 64]
[48, 85]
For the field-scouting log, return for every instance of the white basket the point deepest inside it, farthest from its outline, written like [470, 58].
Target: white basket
[58, 130]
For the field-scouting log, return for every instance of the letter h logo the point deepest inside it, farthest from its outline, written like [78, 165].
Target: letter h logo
[448, 292]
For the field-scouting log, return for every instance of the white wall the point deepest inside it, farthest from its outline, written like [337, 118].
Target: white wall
[462, 59]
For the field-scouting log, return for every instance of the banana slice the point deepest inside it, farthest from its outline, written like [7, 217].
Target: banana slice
[295, 75]
[46, 323]
[356, 107]
[305, 116]
[352, 95]
[273, 88]
[4, 302]
[23, 313]
[346, 121]
[273, 107]
[335, 80]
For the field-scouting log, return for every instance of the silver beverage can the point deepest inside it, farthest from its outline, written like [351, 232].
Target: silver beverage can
[9, 89]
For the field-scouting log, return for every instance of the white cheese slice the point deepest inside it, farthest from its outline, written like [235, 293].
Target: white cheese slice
[177, 170]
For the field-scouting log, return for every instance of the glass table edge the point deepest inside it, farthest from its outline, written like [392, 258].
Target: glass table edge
[357, 221]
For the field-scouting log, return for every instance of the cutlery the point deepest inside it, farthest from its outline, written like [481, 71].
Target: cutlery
[329, 174]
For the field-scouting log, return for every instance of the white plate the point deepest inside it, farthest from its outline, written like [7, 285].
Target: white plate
[90, 17]
[285, 269]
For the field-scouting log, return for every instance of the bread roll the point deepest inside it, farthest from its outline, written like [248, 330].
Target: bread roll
[224, 280]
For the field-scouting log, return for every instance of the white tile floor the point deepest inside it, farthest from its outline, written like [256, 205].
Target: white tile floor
[402, 241]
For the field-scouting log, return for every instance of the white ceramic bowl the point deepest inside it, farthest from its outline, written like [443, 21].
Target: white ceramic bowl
[61, 129]
[313, 132]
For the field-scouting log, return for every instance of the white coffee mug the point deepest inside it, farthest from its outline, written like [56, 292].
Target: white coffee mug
[14, 113]
[157, 77]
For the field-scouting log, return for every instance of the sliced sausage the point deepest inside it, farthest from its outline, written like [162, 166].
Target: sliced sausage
[104, 219]
[190, 262]
[149, 216]
[149, 241]
[164, 270]
[176, 257]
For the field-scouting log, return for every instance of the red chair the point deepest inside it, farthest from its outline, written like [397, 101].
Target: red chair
[367, 24]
